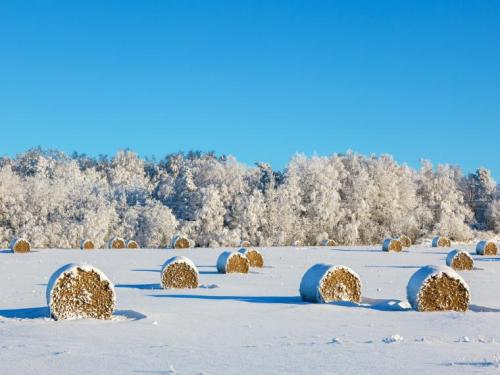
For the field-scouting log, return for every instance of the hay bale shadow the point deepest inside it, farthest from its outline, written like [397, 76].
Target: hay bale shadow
[146, 270]
[26, 313]
[286, 300]
[405, 267]
[477, 308]
[139, 286]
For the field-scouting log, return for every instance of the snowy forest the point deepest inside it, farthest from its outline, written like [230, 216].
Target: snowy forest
[55, 200]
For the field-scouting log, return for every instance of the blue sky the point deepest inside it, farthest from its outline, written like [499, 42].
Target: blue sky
[260, 80]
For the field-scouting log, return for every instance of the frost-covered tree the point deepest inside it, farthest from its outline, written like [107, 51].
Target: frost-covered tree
[55, 200]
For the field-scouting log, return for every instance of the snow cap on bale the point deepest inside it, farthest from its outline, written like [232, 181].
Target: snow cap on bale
[180, 242]
[486, 248]
[79, 291]
[179, 273]
[323, 283]
[328, 242]
[132, 244]
[87, 244]
[254, 257]
[438, 288]
[245, 243]
[391, 244]
[441, 242]
[116, 243]
[405, 241]
[459, 260]
[20, 245]
[232, 262]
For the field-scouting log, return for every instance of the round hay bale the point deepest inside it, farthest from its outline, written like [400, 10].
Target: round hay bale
[391, 244]
[245, 243]
[116, 243]
[254, 257]
[323, 283]
[297, 243]
[329, 243]
[405, 241]
[179, 273]
[459, 260]
[87, 244]
[486, 248]
[232, 262]
[180, 242]
[438, 288]
[132, 244]
[79, 291]
[441, 242]
[20, 245]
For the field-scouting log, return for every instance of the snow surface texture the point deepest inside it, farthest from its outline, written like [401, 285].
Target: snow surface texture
[312, 281]
[452, 254]
[420, 277]
[247, 324]
[72, 270]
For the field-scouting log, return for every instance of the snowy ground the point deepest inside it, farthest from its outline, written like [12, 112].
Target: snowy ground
[254, 323]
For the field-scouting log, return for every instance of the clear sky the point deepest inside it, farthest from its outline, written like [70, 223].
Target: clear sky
[259, 80]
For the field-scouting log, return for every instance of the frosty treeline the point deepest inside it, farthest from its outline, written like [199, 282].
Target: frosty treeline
[55, 200]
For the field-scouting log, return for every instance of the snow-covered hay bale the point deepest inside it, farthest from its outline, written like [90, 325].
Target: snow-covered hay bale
[405, 241]
[392, 244]
[232, 262]
[132, 244]
[254, 257]
[323, 283]
[87, 244]
[329, 243]
[245, 243]
[116, 243]
[80, 291]
[180, 242]
[20, 245]
[438, 288]
[179, 273]
[441, 242]
[459, 260]
[486, 248]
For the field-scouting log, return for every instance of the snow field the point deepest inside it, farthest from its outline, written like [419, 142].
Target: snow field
[248, 323]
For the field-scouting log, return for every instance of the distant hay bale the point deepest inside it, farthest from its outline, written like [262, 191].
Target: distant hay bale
[441, 242]
[116, 243]
[79, 291]
[297, 243]
[132, 244]
[254, 257]
[232, 262]
[438, 288]
[329, 243]
[87, 244]
[391, 244]
[486, 248]
[180, 242]
[245, 243]
[179, 273]
[405, 241]
[459, 260]
[20, 245]
[323, 283]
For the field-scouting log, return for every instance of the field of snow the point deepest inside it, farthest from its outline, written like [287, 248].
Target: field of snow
[247, 324]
